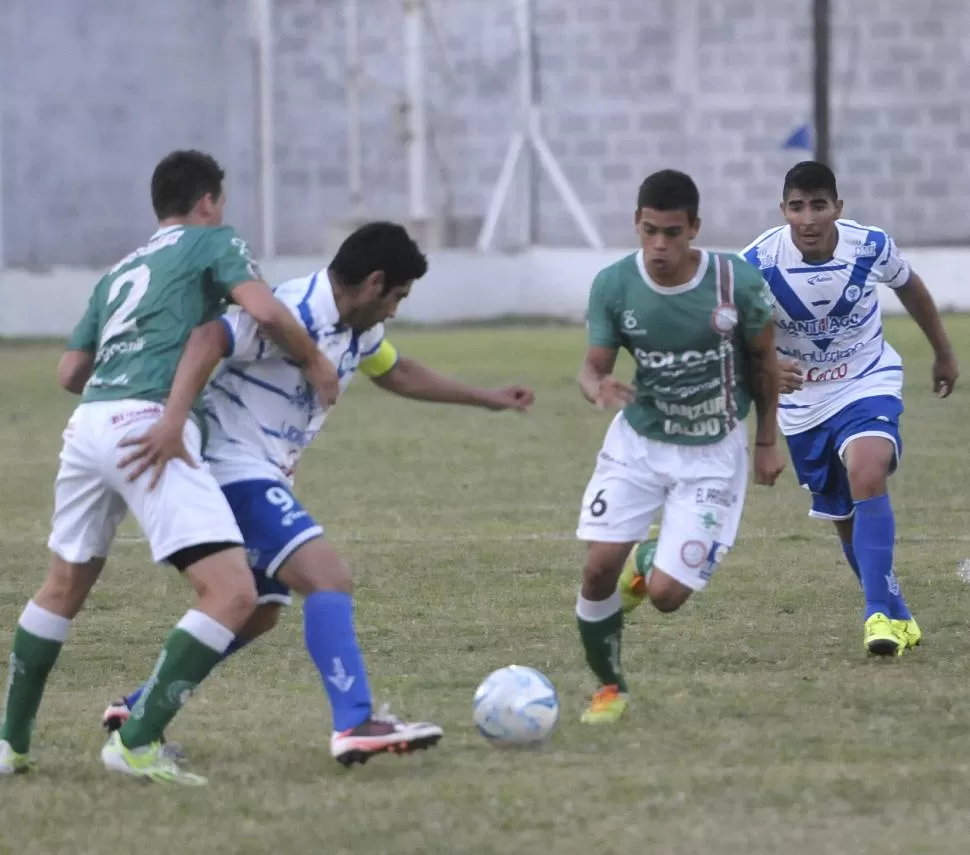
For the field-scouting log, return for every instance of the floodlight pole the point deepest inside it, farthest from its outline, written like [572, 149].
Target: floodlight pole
[822, 38]
[530, 134]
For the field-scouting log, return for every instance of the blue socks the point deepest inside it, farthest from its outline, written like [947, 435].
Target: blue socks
[235, 646]
[850, 557]
[873, 541]
[331, 641]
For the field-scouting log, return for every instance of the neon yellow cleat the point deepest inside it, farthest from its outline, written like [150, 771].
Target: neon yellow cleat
[633, 579]
[880, 636]
[12, 763]
[153, 762]
[608, 704]
[908, 632]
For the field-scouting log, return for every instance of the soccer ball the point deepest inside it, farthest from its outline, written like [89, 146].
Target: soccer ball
[516, 706]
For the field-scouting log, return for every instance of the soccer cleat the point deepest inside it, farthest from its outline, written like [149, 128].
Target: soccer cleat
[382, 733]
[908, 632]
[633, 579]
[153, 762]
[12, 763]
[115, 715]
[608, 704]
[880, 636]
[118, 713]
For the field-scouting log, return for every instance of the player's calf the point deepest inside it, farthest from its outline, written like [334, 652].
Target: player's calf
[318, 572]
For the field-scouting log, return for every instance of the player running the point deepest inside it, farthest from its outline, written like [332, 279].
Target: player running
[262, 419]
[698, 325]
[843, 381]
[123, 355]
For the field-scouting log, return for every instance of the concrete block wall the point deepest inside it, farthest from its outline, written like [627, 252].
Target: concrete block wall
[93, 93]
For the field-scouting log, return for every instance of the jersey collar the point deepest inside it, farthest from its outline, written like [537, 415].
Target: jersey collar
[675, 289]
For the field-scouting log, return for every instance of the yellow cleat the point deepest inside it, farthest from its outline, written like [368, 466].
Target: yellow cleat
[633, 579]
[880, 636]
[908, 632]
[152, 762]
[608, 704]
[12, 763]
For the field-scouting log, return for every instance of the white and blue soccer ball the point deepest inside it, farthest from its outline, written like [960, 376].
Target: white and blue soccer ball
[516, 705]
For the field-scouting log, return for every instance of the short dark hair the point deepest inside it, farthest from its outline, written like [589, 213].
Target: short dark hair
[810, 176]
[670, 190]
[181, 179]
[380, 246]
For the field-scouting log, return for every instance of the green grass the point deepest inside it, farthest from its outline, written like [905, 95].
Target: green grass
[758, 725]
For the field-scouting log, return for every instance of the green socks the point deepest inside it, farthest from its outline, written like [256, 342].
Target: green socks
[191, 651]
[36, 644]
[601, 630]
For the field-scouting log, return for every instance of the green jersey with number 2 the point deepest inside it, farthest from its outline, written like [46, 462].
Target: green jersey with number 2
[142, 311]
[688, 343]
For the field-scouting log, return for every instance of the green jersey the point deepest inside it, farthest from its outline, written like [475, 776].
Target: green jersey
[688, 342]
[143, 310]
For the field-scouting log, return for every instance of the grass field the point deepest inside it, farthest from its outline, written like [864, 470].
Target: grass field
[758, 726]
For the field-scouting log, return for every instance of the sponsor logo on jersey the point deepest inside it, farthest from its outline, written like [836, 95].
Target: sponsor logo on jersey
[670, 359]
[822, 357]
[829, 325]
[824, 375]
[867, 250]
[819, 279]
[765, 258]
[631, 325]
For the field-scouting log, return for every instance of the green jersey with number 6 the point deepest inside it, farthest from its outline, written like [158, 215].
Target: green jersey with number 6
[688, 343]
[143, 310]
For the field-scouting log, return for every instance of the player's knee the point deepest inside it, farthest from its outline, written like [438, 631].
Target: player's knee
[666, 594]
[604, 563]
[317, 566]
[868, 478]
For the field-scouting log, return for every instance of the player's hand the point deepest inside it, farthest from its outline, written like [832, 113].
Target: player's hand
[322, 375]
[768, 464]
[945, 373]
[518, 398]
[792, 377]
[154, 449]
[613, 393]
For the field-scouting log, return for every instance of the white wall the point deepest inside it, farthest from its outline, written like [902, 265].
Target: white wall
[459, 286]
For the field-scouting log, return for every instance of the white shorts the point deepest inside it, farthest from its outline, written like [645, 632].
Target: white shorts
[91, 494]
[699, 487]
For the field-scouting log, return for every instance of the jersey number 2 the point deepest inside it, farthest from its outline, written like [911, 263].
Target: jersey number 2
[120, 321]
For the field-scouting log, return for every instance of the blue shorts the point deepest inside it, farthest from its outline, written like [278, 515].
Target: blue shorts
[817, 454]
[273, 525]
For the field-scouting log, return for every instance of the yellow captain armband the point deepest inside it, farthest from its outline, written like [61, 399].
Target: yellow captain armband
[380, 361]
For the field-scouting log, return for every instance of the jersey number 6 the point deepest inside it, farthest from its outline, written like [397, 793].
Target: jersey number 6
[598, 506]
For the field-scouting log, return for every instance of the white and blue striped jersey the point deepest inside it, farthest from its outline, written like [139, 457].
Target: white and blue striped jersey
[259, 408]
[828, 317]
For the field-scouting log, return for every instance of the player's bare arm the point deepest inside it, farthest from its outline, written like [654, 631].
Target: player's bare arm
[285, 330]
[765, 382]
[74, 369]
[410, 379]
[164, 440]
[597, 383]
[918, 302]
